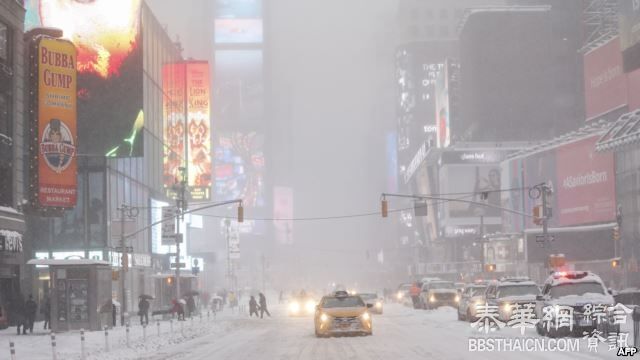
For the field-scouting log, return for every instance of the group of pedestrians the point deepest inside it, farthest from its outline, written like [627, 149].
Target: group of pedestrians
[260, 305]
[22, 313]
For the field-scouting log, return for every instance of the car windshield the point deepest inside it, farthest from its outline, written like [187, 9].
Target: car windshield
[368, 296]
[441, 285]
[517, 290]
[339, 302]
[579, 289]
[474, 291]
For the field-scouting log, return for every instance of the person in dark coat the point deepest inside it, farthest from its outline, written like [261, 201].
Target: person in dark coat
[46, 311]
[30, 309]
[143, 311]
[253, 307]
[16, 313]
[191, 306]
[114, 312]
[263, 305]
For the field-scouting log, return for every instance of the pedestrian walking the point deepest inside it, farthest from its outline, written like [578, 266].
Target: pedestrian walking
[46, 312]
[16, 314]
[31, 309]
[143, 311]
[191, 306]
[263, 305]
[177, 309]
[253, 306]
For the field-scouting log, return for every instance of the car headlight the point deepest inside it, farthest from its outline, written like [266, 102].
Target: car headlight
[457, 298]
[399, 295]
[506, 307]
[310, 306]
[366, 316]
[378, 304]
[294, 307]
[432, 298]
[324, 318]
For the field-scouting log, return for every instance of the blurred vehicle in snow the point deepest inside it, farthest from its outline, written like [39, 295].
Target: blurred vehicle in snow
[342, 313]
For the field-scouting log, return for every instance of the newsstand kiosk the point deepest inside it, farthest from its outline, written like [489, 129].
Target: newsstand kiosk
[79, 287]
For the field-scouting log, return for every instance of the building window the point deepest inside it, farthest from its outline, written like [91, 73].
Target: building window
[4, 43]
[444, 30]
[429, 31]
[444, 14]
[428, 14]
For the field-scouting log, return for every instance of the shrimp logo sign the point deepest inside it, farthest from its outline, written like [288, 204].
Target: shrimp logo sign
[57, 147]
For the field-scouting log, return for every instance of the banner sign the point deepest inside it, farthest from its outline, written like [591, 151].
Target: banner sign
[54, 126]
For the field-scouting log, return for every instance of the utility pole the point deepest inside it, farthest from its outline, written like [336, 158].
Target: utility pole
[130, 212]
[482, 259]
[181, 205]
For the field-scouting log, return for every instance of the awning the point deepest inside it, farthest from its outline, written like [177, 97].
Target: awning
[11, 219]
[623, 132]
[71, 262]
[569, 229]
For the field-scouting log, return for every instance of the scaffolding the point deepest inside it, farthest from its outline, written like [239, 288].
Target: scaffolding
[600, 19]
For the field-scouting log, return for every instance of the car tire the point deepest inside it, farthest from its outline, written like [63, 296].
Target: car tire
[469, 317]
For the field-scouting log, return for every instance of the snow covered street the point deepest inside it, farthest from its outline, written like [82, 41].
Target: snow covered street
[400, 333]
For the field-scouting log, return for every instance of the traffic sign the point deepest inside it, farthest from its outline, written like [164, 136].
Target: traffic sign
[169, 225]
[128, 249]
[541, 238]
[176, 265]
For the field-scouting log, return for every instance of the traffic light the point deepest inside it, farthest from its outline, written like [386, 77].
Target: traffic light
[385, 208]
[490, 267]
[169, 281]
[537, 214]
[240, 213]
[616, 263]
[616, 233]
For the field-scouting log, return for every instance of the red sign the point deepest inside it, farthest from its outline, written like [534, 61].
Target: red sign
[605, 84]
[586, 184]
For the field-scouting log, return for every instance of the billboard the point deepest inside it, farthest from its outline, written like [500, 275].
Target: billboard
[283, 212]
[605, 84]
[442, 109]
[472, 179]
[174, 131]
[629, 20]
[586, 184]
[186, 88]
[54, 124]
[239, 86]
[238, 22]
[512, 178]
[239, 167]
[110, 98]
[198, 130]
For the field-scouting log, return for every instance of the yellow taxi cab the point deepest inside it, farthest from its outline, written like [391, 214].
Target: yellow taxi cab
[341, 313]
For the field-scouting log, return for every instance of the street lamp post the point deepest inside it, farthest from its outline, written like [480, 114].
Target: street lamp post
[130, 212]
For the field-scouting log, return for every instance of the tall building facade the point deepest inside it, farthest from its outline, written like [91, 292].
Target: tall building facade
[13, 244]
[123, 165]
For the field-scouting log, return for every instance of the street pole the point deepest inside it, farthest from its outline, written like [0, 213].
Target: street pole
[263, 273]
[482, 259]
[123, 271]
[181, 204]
[227, 224]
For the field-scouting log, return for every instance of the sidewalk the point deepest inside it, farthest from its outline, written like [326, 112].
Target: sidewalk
[37, 346]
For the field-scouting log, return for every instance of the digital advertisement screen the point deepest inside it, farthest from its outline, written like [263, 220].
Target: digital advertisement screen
[238, 22]
[239, 168]
[472, 179]
[173, 110]
[283, 210]
[56, 124]
[239, 85]
[442, 108]
[110, 99]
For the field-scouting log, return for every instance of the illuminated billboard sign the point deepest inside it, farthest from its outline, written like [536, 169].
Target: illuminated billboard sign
[53, 128]
[110, 99]
[198, 130]
[239, 168]
[187, 93]
[238, 22]
[443, 116]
